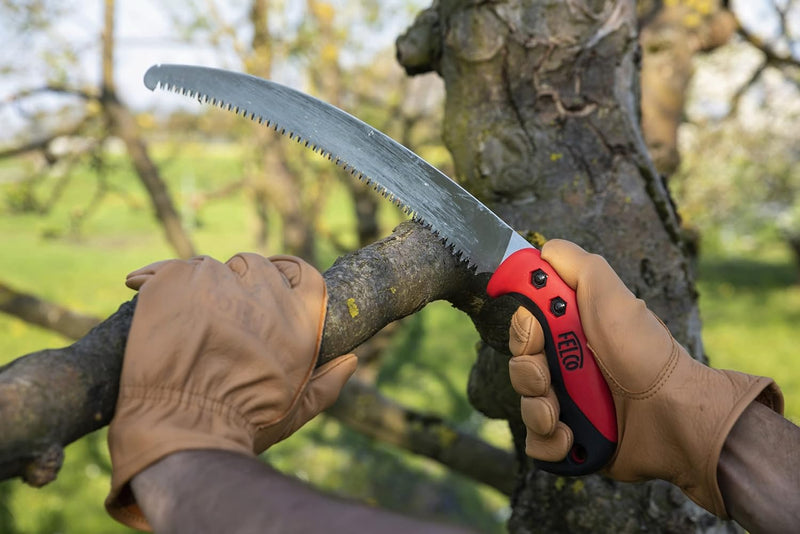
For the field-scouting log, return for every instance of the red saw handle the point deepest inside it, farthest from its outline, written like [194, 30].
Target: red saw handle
[583, 395]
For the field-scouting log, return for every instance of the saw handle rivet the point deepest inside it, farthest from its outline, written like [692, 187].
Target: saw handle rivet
[558, 307]
[539, 278]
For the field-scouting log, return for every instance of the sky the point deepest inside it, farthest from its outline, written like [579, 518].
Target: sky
[759, 16]
[144, 36]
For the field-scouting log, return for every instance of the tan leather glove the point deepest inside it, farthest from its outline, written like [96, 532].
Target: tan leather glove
[673, 413]
[219, 356]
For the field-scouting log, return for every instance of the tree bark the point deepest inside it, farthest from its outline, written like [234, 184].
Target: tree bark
[542, 119]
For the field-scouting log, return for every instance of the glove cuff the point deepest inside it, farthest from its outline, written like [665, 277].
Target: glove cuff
[154, 423]
[752, 388]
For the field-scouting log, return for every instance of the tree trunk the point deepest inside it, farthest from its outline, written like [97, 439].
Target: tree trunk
[123, 124]
[793, 243]
[274, 187]
[542, 119]
[671, 36]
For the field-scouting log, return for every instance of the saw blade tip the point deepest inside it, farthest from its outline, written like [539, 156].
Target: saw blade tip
[151, 78]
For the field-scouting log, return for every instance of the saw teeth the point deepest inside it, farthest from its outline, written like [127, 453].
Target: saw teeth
[451, 248]
[216, 102]
[321, 151]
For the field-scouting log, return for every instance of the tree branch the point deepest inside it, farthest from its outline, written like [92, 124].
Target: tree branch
[736, 98]
[42, 143]
[52, 397]
[122, 123]
[51, 88]
[772, 57]
[47, 314]
[363, 408]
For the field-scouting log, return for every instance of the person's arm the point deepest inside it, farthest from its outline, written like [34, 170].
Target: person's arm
[677, 419]
[241, 495]
[759, 471]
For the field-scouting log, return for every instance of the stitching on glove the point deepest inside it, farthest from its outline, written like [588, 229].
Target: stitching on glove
[518, 330]
[658, 383]
[662, 378]
[185, 398]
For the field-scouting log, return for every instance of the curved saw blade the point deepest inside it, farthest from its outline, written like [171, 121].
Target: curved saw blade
[473, 231]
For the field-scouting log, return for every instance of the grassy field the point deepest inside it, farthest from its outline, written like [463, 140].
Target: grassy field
[750, 306]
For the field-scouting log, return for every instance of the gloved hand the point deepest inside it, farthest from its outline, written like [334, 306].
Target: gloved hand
[673, 413]
[219, 356]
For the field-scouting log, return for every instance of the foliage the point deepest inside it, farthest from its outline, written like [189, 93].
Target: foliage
[738, 187]
[739, 179]
[739, 183]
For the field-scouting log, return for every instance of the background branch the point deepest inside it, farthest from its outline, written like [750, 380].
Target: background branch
[772, 56]
[42, 143]
[52, 88]
[363, 408]
[43, 313]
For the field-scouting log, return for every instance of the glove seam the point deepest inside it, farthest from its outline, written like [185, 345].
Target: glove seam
[518, 331]
[189, 399]
[309, 374]
[659, 382]
[129, 518]
[308, 377]
[753, 390]
[254, 428]
[185, 399]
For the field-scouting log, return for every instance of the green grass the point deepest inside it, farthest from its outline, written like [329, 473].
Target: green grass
[750, 306]
[750, 309]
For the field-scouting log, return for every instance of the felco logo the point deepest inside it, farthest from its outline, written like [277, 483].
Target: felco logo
[569, 350]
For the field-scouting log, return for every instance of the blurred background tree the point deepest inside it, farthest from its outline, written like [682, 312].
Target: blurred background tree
[80, 166]
[739, 181]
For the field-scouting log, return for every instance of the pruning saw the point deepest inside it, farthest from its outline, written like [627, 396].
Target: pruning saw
[471, 230]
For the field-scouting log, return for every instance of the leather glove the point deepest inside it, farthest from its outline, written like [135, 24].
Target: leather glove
[673, 413]
[219, 356]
